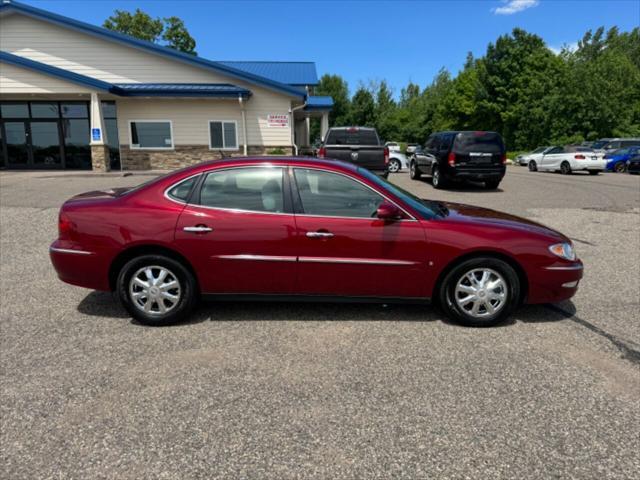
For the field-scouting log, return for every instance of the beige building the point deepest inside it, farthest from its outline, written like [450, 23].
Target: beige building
[77, 96]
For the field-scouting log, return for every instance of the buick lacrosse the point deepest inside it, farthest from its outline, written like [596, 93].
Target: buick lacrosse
[304, 229]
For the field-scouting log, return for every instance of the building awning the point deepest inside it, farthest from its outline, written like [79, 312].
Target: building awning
[316, 103]
[221, 90]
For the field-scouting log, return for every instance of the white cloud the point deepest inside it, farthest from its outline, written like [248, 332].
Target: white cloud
[514, 6]
[572, 47]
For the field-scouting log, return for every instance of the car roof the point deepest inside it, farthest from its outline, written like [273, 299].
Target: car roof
[351, 128]
[269, 160]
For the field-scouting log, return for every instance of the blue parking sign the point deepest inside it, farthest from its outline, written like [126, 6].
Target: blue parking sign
[95, 134]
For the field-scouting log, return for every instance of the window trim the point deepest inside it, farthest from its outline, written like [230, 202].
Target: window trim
[224, 148]
[191, 193]
[151, 120]
[195, 199]
[294, 186]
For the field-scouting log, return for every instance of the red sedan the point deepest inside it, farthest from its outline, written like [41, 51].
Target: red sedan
[304, 229]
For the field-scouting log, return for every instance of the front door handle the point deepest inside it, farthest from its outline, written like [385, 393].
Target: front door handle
[319, 234]
[198, 229]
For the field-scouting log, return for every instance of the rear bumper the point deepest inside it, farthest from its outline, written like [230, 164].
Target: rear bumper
[459, 174]
[554, 283]
[79, 267]
[578, 165]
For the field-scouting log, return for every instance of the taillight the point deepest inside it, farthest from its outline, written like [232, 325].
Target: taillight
[503, 158]
[65, 225]
[579, 157]
[322, 152]
[451, 159]
[386, 155]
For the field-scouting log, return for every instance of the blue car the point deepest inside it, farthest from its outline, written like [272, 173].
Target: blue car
[617, 160]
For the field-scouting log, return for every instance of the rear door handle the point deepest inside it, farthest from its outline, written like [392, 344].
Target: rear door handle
[319, 234]
[198, 229]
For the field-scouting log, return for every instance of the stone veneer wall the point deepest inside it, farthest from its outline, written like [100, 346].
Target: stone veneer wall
[100, 161]
[184, 155]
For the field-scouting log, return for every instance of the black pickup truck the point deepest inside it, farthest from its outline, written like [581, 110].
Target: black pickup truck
[358, 145]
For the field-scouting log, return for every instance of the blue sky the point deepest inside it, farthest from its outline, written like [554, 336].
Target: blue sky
[367, 40]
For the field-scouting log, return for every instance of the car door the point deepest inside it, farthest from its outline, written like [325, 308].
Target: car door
[238, 231]
[425, 159]
[344, 249]
[552, 159]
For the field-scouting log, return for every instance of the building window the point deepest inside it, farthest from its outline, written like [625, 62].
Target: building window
[151, 134]
[223, 135]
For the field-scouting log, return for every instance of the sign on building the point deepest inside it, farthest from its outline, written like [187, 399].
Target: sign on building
[276, 120]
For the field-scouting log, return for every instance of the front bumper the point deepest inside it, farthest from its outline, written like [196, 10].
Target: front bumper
[79, 267]
[554, 283]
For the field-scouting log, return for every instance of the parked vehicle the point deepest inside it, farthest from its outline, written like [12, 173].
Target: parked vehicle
[304, 229]
[609, 144]
[633, 165]
[569, 159]
[392, 146]
[459, 156]
[525, 158]
[358, 145]
[397, 161]
[617, 159]
[411, 148]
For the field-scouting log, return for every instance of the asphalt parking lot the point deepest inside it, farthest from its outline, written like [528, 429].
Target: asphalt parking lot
[325, 391]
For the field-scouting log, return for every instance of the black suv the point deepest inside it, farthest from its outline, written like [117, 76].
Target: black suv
[458, 156]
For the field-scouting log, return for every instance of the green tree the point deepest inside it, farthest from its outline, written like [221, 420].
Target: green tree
[336, 87]
[362, 108]
[139, 24]
[385, 106]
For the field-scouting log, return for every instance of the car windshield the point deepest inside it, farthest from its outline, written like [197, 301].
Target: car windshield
[427, 209]
[539, 149]
[599, 144]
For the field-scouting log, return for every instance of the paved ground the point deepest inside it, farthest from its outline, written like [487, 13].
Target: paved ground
[325, 391]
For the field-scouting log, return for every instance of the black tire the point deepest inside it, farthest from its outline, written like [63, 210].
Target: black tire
[457, 313]
[491, 184]
[565, 168]
[437, 180]
[594, 172]
[187, 295]
[533, 166]
[414, 171]
[620, 167]
[394, 165]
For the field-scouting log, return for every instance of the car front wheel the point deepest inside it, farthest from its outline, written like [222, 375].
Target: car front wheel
[480, 292]
[414, 171]
[533, 167]
[156, 290]
[620, 167]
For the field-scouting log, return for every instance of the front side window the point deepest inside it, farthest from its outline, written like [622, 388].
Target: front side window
[223, 135]
[151, 134]
[334, 195]
[256, 189]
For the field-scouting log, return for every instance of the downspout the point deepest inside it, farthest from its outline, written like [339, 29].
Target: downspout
[293, 126]
[244, 123]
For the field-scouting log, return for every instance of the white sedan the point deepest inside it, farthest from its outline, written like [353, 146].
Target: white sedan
[397, 161]
[525, 158]
[568, 160]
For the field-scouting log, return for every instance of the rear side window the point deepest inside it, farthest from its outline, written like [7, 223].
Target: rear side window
[181, 191]
[352, 137]
[481, 142]
[256, 189]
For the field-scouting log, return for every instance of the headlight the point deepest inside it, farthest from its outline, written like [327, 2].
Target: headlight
[563, 250]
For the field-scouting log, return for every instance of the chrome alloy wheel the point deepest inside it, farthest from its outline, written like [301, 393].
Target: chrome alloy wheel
[155, 290]
[394, 165]
[481, 292]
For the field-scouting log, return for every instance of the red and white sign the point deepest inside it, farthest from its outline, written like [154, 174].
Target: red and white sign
[275, 120]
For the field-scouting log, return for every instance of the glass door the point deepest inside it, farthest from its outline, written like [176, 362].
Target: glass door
[45, 144]
[16, 137]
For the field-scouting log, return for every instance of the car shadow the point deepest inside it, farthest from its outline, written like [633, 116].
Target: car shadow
[105, 304]
[467, 186]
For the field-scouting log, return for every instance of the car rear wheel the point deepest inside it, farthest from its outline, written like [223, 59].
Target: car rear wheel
[533, 166]
[565, 168]
[491, 184]
[620, 167]
[480, 292]
[156, 290]
[594, 172]
[414, 171]
[394, 165]
[436, 179]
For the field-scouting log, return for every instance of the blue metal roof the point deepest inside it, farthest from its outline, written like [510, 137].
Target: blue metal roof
[319, 103]
[291, 73]
[181, 90]
[229, 70]
[220, 90]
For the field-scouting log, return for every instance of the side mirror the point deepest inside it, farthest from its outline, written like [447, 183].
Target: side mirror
[388, 211]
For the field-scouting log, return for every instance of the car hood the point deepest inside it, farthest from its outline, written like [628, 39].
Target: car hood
[478, 216]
